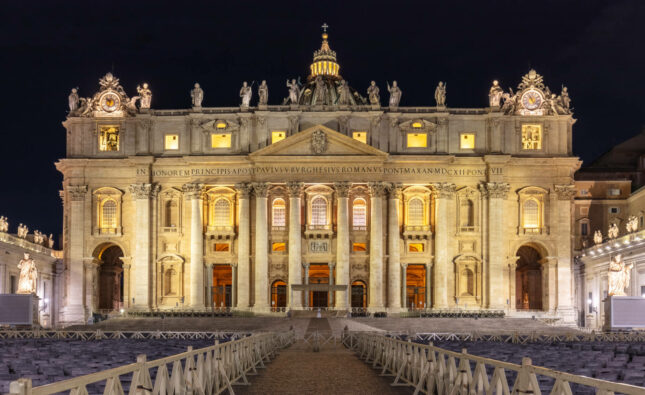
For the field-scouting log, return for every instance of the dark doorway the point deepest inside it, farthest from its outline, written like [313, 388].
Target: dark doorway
[528, 279]
[110, 279]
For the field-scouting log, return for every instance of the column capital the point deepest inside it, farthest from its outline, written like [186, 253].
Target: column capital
[243, 190]
[294, 188]
[404, 265]
[193, 190]
[565, 192]
[378, 188]
[331, 265]
[444, 190]
[144, 191]
[497, 190]
[305, 265]
[260, 189]
[342, 188]
[396, 190]
[76, 192]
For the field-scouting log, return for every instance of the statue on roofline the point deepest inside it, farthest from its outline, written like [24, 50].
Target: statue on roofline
[263, 93]
[4, 224]
[245, 93]
[146, 95]
[72, 100]
[373, 93]
[495, 94]
[612, 233]
[343, 93]
[597, 237]
[619, 276]
[294, 92]
[395, 93]
[440, 94]
[197, 95]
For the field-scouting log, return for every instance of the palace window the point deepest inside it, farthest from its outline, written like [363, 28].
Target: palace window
[279, 247]
[221, 140]
[221, 125]
[417, 125]
[467, 213]
[222, 247]
[108, 138]
[278, 213]
[614, 210]
[359, 213]
[417, 140]
[222, 212]
[467, 141]
[532, 137]
[415, 212]
[360, 136]
[171, 142]
[319, 211]
[172, 214]
[108, 216]
[415, 247]
[359, 247]
[278, 135]
[531, 211]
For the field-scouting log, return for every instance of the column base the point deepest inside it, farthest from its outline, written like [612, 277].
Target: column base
[73, 315]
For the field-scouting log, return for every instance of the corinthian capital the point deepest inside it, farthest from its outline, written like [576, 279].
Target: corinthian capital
[260, 189]
[141, 191]
[565, 192]
[76, 192]
[396, 190]
[294, 188]
[497, 190]
[377, 189]
[193, 190]
[342, 188]
[243, 190]
[444, 190]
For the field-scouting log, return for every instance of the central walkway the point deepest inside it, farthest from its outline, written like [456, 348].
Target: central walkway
[333, 370]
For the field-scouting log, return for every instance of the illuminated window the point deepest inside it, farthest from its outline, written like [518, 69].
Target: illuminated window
[415, 247]
[279, 247]
[221, 140]
[172, 214]
[222, 247]
[467, 141]
[109, 138]
[222, 211]
[279, 213]
[531, 211]
[359, 247]
[417, 125]
[415, 212]
[108, 214]
[359, 212]
[171, 142]
[221, 125]
[360, 136]
[417, 140]
[531, 137]
[278, 135]
[319, 211]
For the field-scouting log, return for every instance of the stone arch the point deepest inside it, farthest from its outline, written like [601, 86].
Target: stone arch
[109, 281]
[278, 294]
[531, 293]
[358, 295]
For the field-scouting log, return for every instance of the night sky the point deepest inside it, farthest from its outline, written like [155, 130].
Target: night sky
[594, 48]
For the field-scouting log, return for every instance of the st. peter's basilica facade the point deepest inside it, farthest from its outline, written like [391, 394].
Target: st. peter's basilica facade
[328, 200]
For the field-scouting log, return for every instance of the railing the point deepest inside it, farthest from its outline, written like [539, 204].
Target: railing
[209, 370]
[431, 370]
[100, 334]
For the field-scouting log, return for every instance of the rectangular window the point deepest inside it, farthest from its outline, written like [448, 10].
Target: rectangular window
[584, 229]
[108, 138]
[278, 135]
[171, 142]
[584, 211]
[221, 140]
[417, 140]
[222, 247]
[532, 137]
[467, 141]
[415, 247]
[279, 247]
[360, 136]
[614, 210]
[359, 247]
[613, 192]
[13, 285]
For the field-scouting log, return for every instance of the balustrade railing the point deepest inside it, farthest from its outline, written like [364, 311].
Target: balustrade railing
[209, 370]
[433, 370]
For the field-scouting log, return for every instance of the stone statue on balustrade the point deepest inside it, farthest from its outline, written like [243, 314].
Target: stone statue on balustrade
[294, 92]
[197, 95]
[245, 93]
[4, 224]
[343, 93]
[564, 100]
[440, 94]
[495, 95]
[597, 237]
[373, 93]
[146, 95]
[72, 100]
[50, 241]
[632, 224]
[38, 237]
[263, 93]
[28, 275]
[619, 276]
[22, 231]
[612, 233]
[395, 94]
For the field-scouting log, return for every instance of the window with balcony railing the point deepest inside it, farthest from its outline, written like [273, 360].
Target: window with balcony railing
[278, 214]
[319, 212]
[359, 214]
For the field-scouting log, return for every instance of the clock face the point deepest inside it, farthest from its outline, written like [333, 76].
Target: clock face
[110, 102]
[532, 99]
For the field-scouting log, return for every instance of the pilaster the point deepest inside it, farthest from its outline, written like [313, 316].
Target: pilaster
[445, 201]
[497, 277]
[142, 251]
[565, 194]
[193, 192]
[243, 247]
[73, 312]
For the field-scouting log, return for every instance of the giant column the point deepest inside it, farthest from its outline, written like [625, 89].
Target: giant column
[194, 193]
[377, 190]
[342, 244]
[497, 276]
[243, 247]
[73, 310]
[444, 200]
[563, 244]
[142, 251]
[295, 244]
[395, 285]
[261, 247]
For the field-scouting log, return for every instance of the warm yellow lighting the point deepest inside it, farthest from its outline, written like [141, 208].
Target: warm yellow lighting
[415, 247]
[278, 135]
[417, 125]
[417, 140]
[221, 140]
[467, 141]
[221, 247]
[108, 138]
[277, 247]
[531, 137]
[359, 247]
[221, 125]
[171, 142]
[360, 136]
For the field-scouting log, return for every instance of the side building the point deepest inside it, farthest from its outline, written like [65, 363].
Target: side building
[327, 200]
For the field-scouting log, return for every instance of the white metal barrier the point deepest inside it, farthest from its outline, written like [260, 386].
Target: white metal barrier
[209, 370]
[433, 370]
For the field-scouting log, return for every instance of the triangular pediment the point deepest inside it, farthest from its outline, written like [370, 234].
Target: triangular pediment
[319, 140]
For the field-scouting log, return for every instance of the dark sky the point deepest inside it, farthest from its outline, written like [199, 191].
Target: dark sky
[47, 47]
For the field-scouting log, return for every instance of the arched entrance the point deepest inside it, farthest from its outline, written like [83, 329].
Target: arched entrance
[528, 279]
[359, 296]
[278, 295]
[110, 278]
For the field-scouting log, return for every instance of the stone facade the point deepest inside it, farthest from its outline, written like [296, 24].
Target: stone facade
[401, 206]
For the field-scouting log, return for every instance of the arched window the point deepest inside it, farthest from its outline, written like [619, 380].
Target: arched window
[415, 212]
[359, 212]
[222, 212]
[108, 214]
[279, 213]
[319, 211]
[467, 213]
[531, 214]
[172, 214]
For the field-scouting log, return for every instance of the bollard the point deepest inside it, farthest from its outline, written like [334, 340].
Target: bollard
[20, 387]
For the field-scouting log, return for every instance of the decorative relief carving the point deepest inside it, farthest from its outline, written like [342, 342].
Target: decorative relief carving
[193, 191]
[260, 189]
[444, 190]
[76, 192]
[294, 188]
[294, 122]
[377, 189]
[565, 192]
[394, 122]
[318, 142]
[342, 188]
[497, 190]
[396, 190]
[243, 190]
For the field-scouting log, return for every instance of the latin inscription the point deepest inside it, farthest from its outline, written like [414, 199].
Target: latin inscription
[318, 247]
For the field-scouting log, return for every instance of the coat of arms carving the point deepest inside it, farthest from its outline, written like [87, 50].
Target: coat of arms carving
[318, 142]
